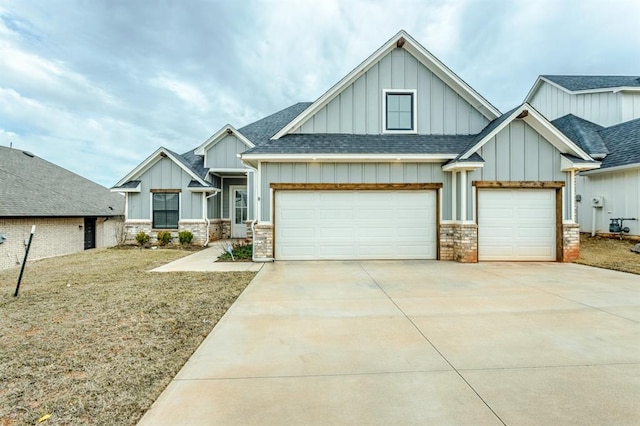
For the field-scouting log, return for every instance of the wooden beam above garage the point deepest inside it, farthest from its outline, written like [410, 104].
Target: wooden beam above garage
[355, 186]
[517, 184]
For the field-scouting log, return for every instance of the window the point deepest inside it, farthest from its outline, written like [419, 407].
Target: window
[399, 113]
[166, 210]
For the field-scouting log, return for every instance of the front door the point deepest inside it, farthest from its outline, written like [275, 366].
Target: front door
[239, 211]
[89, 233]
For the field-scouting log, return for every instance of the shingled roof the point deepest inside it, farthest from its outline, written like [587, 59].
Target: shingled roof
[333, 143]
[593, 82]
[621, 142]
[33, 187]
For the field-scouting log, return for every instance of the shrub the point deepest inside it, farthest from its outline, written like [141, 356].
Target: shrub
[164, 238]
[240, 250]
[142, 238]
[185, 237]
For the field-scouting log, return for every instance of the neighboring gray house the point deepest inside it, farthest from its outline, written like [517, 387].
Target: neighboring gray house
[602, 115]
[71, 213]
[401, 159]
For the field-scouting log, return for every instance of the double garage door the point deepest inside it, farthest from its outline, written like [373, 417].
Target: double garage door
[517, 224]
[371, 224]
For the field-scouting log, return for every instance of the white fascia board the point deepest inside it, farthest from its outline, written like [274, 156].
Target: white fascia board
[228, 170]
[361, 158]
[534, 89]
[218, 136]
[540, 125]
[462, 165]
[614, 89]
[148, 162]
[422, 55]
[611, 169]
[205, 189]
[450, 78]
[135, 189]
[567, 165]
[153, 159]
[558, 139]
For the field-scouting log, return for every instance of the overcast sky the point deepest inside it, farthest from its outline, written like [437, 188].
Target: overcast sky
[97, 86]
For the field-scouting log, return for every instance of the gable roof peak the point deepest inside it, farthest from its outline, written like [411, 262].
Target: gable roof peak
[402, 40]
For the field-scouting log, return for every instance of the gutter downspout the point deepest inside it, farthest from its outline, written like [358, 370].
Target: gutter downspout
[206, 219]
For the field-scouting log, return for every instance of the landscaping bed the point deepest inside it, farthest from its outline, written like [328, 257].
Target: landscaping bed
[609, 253]
[94, 339]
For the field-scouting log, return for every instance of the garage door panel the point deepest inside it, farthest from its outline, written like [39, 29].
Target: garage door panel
[356, 224]
[516, 224]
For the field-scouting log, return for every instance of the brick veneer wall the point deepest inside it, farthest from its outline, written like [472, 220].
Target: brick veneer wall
[53, 237]
[570, 242]
[197, 228]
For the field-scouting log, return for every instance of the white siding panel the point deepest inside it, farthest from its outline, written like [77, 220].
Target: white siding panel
[355, 225]
[516, 224]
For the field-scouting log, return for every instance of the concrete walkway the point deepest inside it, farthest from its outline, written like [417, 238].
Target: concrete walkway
[205, 261]
[414, 343]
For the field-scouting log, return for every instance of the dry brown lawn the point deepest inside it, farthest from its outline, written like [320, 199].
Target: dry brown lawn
[609, 253]
[93, 338]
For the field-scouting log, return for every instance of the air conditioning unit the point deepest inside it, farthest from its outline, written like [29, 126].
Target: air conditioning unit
[597, 201]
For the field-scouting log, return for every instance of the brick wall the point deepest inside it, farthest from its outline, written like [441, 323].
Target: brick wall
[53, 237]
[263, 241]
[215, 230]
[570, 242]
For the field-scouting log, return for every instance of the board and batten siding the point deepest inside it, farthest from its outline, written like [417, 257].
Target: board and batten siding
[224, 154]
[630, 106]
[603, 108]
[165, 174]
[519, 153]
[621, 193]
[351, 173]
[358, 108]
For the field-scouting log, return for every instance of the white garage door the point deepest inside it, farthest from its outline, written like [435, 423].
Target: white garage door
[516, 224]
[355, 225]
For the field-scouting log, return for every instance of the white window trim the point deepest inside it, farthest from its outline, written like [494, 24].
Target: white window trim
[414, 107]
[151, 207]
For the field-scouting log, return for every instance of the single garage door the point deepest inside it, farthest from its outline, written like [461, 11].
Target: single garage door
[516, 224]
[370, 224]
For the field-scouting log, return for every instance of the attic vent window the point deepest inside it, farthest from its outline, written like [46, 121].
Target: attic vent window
[399, 111]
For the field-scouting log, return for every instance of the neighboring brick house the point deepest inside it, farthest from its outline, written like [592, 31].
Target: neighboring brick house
[401, 159]
[71, 213]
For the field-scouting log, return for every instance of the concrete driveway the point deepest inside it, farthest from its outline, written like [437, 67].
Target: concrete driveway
[413, 342]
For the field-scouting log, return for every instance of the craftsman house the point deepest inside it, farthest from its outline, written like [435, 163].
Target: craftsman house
[400, 159]
[601, 114]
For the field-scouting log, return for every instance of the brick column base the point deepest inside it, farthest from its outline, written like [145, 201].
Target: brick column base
[459, 242]
[570, 242]
[263, 241]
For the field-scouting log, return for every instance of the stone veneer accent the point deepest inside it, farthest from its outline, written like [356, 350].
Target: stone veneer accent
[446, 241]
[465, 243]
[459, 242]
[570, 242]
[197, 228]
[263, 241]
[226, 228]
[215, 229]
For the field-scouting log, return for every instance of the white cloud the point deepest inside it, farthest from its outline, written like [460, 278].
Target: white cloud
[183, 90]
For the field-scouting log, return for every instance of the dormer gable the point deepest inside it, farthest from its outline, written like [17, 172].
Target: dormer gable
[400, 88]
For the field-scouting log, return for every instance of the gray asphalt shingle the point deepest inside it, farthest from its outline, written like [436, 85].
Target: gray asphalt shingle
[590, 82]
[583, 133]
[338, 143]
[33, 187]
